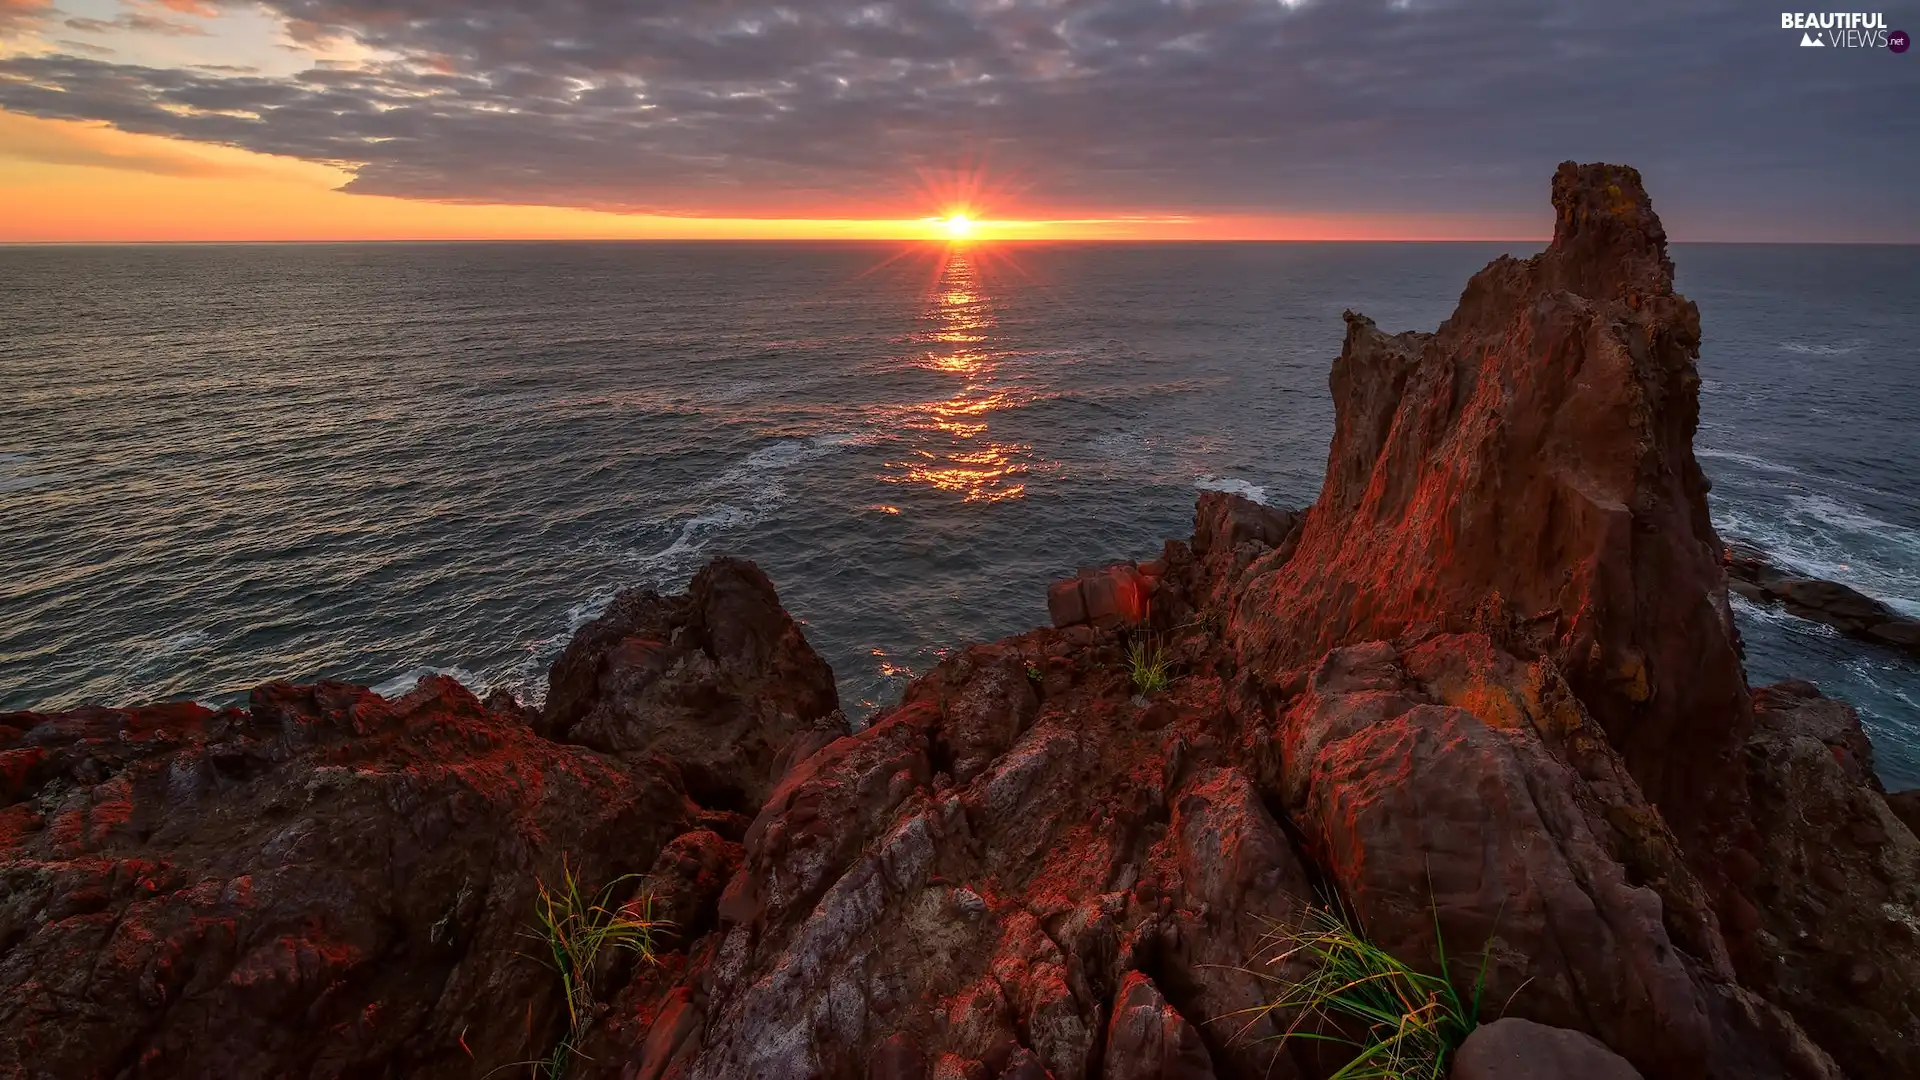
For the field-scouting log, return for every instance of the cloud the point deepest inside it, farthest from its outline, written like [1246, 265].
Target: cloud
[87, 48]
[845, 107]
[138, 22]
[20, 14]
[60, 144]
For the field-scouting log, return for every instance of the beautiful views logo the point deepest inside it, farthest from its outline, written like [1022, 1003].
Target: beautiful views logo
[1844, 30]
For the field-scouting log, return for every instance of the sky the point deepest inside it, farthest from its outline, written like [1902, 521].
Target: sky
[1142, 119]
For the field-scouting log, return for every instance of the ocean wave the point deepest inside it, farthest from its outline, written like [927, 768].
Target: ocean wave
[1753, 461]
[1232, 485]
[1884, 677]
[173, 644]
[1132, 450]
[16, 474]
[704, 399]
[1748, 460]
[404, 682]
[1776, 615]
[695, 534]
[1822, 537]
[1831, 511]
[745, 493]
[526, 678]
[1805, 348]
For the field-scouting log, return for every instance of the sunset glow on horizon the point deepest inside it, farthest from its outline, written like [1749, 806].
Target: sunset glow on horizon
[270, 120]
[90, 183]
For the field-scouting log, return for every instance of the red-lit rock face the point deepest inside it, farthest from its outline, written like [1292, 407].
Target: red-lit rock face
[1528, 470]
[719, 680]
[331, 884]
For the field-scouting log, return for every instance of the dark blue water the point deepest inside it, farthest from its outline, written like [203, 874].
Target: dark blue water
[227, 464]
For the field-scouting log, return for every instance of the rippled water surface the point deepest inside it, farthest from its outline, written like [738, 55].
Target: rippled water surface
[220, 465]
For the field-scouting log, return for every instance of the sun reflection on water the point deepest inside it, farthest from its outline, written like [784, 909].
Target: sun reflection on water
[953, 450]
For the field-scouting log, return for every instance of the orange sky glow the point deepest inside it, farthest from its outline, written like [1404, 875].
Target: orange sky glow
[71, 182]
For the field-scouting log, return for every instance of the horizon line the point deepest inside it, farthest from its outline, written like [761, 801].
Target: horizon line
[931, 242]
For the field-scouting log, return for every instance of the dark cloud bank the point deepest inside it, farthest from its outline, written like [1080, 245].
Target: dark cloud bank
[1202, 106]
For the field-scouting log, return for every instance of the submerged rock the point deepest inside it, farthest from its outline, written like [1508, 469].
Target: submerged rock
[1847, 610]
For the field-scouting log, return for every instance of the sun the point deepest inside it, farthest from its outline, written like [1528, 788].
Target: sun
[959, 226]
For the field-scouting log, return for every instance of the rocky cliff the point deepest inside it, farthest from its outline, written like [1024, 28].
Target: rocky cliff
[1485, 691]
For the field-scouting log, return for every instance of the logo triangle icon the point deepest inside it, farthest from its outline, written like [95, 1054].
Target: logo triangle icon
[1809, 41]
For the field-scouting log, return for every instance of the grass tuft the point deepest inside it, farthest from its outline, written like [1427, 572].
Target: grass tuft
[577, 929]
[1409, 1023]
[1149, 666]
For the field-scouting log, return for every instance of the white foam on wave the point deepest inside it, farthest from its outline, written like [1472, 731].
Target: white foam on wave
[588, 610]
[16, 473]
[180, 642]
[1752, 461]
[1748, 460]
[1122, 455]
[695, 533]
[1883, 676]
[1233, 485]
[1846, 516]
[1777, 615]
[1822, 537]
[400, 684]
[742, 495]
[527, 679]
[168, 647]
[1815, 348]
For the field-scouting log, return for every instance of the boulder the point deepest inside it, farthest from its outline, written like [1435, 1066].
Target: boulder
[1223, 521]
[1065, 604]
[1840, 892]
[328, 883]
[1459, 798]
[1527, 471]
[1231, 535]
[1148, 1039]
[720, 680]
[1900, 632]
[1117, 596]
[225, 893]
[1515, 1049]
[1111, 597]
[1906, 806]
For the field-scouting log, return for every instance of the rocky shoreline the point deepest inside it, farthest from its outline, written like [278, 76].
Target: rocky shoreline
[1486, 691]
[1847, 610]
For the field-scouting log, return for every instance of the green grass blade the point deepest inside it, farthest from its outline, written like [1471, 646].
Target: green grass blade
[1409, 1022]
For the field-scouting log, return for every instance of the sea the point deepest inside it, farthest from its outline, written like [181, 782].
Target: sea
[221, 465]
